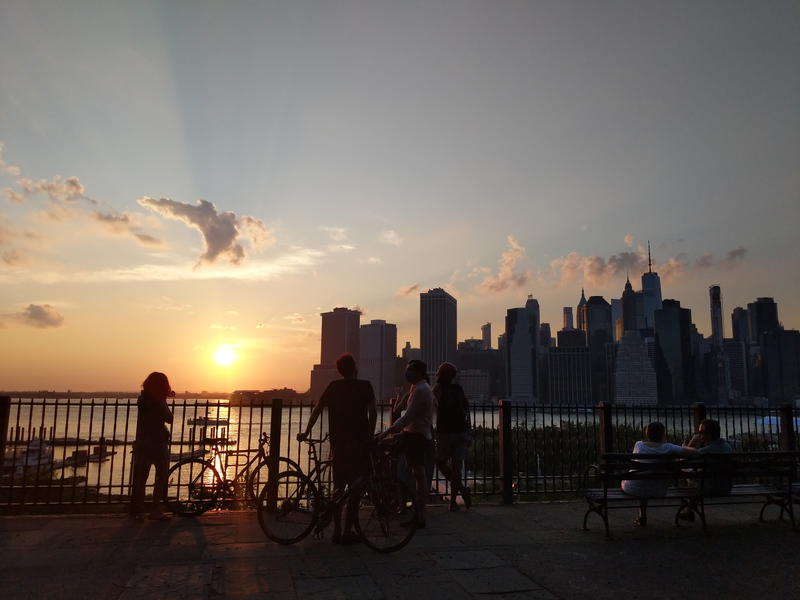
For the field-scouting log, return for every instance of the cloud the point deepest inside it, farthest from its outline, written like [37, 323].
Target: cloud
[295, 318]
[337, 234]
[734, 257]
[4, 166]
[220, 230]
[507, 277]
[407, 290]
[628, 239]
[391, 237]
[370, 260]
[705, 261]
[13, 195]
[599, 271]
[42, 316]
[123, 224]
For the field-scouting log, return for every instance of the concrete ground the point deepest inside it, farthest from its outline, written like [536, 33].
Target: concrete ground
[531, 551]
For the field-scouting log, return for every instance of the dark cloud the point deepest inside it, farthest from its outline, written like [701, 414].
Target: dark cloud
[408, 290]
[705, 261]
[734, 257]
[123, 224]
[42, 316]
[220, 230]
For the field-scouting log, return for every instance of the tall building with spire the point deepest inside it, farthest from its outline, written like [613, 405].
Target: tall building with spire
[582, 311]
[651, 292]
[629, 308]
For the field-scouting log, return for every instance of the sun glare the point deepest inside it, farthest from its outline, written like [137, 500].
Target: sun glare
[224, 356]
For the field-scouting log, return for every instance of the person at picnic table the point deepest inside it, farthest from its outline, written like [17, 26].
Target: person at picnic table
[654, 443]
[453, 432]
[151, 447]
[352, 415]
[416, 423]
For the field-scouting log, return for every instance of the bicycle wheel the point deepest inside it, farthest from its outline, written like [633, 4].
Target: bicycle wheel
[291, 513]
[193, 487]
[259, 476]
[385, 508]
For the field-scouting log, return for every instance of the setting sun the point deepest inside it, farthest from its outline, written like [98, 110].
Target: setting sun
[224, 356]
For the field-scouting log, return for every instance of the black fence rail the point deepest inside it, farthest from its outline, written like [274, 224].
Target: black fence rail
[78, 450]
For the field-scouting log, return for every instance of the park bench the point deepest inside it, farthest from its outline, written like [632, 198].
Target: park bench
[766, 478]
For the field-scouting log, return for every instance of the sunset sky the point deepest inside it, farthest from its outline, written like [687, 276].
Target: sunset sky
[185, 178]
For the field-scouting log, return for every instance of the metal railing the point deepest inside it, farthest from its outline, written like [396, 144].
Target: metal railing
[78, 450]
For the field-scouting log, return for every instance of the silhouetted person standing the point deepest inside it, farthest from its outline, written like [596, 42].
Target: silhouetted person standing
[453, 432]
[151, 447]
[351, 414]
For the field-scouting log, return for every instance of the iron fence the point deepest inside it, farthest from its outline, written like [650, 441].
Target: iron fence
[78, 450]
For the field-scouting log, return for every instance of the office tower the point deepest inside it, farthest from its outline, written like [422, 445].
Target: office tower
[339, 336]
[544, 335]
[715, 300]
[634, 376]
[522, 334]
[616, 318]
[378, 354]
[674, 360]
[740, 326]
[597, 324]
[476, 385]
[762, 318]
[629, 308]
[408, 353]
[651, 291]
[571, 338]
[581, 313]
[779, 370]
[486, 336]
[472, 356]
[569, 375]
[437, 328]
[568, 323]
[736, 355]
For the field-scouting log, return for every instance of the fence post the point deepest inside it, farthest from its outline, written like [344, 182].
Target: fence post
[5, 412]
[506, 466]
[699, 414]
[788, 440]
[606, 432]
[274, 452]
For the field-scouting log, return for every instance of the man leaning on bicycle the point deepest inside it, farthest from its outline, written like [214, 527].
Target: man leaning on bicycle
[351, 415]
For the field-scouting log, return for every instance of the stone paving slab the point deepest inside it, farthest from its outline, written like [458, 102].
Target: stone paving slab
[531, 551]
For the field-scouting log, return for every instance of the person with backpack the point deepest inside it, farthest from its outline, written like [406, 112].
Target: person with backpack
[453, 432]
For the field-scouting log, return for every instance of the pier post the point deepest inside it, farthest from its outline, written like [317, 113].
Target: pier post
[274, 451]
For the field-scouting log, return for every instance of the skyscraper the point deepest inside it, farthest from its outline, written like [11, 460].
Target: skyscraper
[378, 355]
[599, 333]
[715, 300]
[634, 375]
[522, 334]
[651, 290]
[763, 318]
[720, 360]
[581, 313]
[740, 326]
[674, 359]
[339, 336]
[437, 327]
[486, 336]
[568, 322]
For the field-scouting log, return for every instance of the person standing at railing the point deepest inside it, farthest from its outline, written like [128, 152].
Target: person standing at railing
[417, 427]
[151, 447]
[453, 432]
[351, 415]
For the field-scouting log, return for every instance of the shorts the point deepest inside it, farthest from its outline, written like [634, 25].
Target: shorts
[414, 447]
[348, 466]
[452, 445]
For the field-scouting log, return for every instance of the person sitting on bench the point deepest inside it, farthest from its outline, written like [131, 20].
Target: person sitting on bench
[718, 480]
[655, 442]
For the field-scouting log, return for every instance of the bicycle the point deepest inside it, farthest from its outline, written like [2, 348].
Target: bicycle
[196, 485]
[295, 504]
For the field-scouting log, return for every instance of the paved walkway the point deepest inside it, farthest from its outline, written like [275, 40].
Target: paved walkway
[531, 551]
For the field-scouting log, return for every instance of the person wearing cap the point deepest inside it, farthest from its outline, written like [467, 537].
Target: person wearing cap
[151, 447]
[453, 432]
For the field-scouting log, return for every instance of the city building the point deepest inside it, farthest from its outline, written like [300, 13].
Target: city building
[651, 293]
[378, 357]
[340, 335]
[569, 375]
[635, 381]
[437, 328]
[475, 383]
[581, 314]
[674, 359]
[722, 376]
[595, 315]
[521, 344]
[568, 322]
[486, 336]
[571, 338]
[740, 325]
